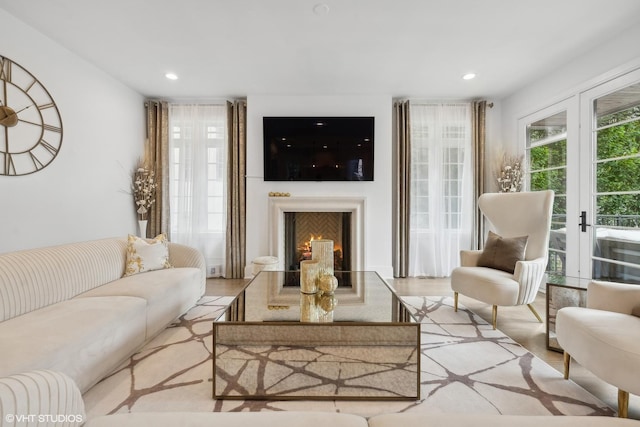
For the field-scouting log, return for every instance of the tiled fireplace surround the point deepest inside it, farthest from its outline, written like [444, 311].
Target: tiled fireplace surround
[278, 206]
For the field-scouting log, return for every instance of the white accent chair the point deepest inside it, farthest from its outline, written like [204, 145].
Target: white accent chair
[509, 215]
[26, 397]
[604, 337]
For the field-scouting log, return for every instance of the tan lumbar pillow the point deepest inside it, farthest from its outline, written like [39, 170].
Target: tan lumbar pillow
[502, 253]
[143, 255]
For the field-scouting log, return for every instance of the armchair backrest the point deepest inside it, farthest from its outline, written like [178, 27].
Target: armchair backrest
[617, 297]
[521, 214]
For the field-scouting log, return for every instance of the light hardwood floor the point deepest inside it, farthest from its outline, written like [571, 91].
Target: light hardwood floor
[516, 322]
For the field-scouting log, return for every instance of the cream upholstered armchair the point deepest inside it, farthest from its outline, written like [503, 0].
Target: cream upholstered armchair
[604, 337]
[510, 268]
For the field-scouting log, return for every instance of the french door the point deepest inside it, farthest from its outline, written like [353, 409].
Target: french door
[552, 161]
[610, 118]
[587, 149]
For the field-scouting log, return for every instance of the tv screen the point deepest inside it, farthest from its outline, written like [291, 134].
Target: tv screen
[318, 148]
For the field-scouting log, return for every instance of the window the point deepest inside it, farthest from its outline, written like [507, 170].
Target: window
[547, 159]
[441, 202]
[198, 157]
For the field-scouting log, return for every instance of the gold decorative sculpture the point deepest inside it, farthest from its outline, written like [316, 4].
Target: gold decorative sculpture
[309, 274]
[318, 284]
[322, 250]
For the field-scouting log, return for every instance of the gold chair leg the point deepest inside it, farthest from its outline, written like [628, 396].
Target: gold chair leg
[455, 301]
[567, 364]
[494, 316]
[535, 313]
[623, 404]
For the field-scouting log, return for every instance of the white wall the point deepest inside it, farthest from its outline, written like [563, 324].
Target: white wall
[81, 195]
[614, 57]
[378, 193]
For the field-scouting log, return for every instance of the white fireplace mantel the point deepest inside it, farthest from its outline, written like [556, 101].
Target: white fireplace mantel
[355, 205]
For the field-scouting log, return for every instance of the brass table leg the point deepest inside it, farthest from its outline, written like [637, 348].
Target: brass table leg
[567, 364]
[623, 404]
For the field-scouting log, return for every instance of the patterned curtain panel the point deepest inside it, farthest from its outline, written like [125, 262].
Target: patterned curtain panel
[236, 193]
[157, 155]
[402, 180]
[478, 129]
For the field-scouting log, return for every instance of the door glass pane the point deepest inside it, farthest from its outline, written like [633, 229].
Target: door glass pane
[547, 170]
[616, 253]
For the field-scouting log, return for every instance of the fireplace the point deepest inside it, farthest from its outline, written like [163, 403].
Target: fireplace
[293, 221]
[301, 228]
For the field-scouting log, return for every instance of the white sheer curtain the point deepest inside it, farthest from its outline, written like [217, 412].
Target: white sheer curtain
[441, 187]
[198, 161]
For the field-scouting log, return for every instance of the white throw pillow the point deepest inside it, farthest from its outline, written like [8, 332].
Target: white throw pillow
[143, 255]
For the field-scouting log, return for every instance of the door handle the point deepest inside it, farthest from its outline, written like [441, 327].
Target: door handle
[583, 221]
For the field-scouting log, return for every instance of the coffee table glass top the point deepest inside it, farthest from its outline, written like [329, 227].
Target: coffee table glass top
[363, 296]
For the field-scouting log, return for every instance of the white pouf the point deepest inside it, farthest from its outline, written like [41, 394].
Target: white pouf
[264, 263]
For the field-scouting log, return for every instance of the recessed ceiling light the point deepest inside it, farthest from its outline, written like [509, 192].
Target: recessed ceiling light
[171, 76]
[321, 9]
[469, 76]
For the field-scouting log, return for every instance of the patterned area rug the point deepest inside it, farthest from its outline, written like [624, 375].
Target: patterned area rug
[466, 367]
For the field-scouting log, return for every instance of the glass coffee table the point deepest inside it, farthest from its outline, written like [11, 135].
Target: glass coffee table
[370, 350]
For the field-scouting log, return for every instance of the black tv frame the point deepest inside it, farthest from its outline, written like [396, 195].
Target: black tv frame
[319, 148]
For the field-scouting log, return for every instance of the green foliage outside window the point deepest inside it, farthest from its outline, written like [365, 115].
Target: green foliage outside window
[621, 174]
[547, 164]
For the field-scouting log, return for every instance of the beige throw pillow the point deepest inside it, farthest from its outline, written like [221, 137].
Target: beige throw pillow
[143, 255]
[502, 253]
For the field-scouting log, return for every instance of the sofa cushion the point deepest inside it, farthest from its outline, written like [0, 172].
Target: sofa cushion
[228, 419]
[486, 285]
[143, 255]
[168, 294]
[84, 338]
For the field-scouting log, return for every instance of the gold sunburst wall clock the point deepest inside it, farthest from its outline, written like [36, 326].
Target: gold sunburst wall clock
[30, 122]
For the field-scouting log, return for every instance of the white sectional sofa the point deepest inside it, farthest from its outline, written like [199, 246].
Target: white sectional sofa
[39, 394]
[71, 309]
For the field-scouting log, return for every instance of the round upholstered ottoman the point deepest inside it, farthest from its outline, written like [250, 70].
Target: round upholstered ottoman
[264, 263]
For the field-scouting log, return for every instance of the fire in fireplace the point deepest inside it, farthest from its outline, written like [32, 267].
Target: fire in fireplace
[303, 227]
[303, 252]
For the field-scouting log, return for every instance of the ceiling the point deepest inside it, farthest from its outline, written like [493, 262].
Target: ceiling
[417, 48]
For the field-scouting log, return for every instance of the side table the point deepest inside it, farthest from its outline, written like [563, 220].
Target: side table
[562, 291]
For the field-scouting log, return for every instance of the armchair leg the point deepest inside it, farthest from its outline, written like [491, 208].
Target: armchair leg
[535, 313]
[494, 316]
[623, 404]
[567, 364]
[455, 301]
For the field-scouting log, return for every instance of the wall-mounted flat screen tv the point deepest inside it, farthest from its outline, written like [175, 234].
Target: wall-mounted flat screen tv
[318, 148]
